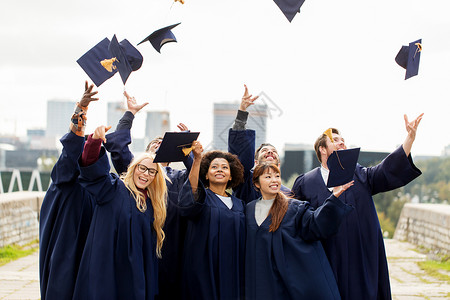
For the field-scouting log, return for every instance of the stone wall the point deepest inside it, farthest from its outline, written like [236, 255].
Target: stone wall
[426, 225]
[19, 217]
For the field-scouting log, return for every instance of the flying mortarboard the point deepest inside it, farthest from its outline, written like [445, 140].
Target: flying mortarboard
[175, 146]
[161, 37]
[409, 58]
[90, 62]
[289, 7]
[109, 57]
[342, 164]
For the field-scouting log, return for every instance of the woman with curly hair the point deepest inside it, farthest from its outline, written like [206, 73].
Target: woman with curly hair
[126, 235]
[213, 262]
[284, 257]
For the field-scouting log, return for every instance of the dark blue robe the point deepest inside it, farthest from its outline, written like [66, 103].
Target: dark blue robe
[290, 263]
[64, 223]
[214, 249]
[356, 253]
[174, 226]
[119, 260]
[242, 144]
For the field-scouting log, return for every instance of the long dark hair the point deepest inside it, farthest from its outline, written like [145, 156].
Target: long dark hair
[280, 204]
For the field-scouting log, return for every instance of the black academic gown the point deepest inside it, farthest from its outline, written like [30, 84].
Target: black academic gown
[356, 253]
[242, 144]
[290, 263]
[175, 225]
[214, 249]
[65, 217]
[119, 260]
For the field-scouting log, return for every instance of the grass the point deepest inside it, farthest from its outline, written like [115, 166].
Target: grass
[433, 268]
[13, 252]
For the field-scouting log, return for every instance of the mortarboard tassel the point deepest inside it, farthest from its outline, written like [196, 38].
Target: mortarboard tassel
[181, 1]
[329, 134]
[108, 64]
[419, 48]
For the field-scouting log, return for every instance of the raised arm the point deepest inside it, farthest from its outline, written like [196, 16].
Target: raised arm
[66, 168]
[195, 170]
[118, 141]
[411, 128]
[242, 115]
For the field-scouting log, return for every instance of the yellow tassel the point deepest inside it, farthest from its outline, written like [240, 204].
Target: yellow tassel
[108, 64]
[181, 1]
[419, 46]
[329, 134]
[186, 151]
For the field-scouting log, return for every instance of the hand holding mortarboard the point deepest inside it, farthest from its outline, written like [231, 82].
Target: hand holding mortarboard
[338, 190]
[132, 105]
[247, 100]
[175, 146]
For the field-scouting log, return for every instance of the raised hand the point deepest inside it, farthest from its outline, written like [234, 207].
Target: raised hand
[100, 133]
[197, 150]
[338, 190]
[87, 95]
[133, 107]
[182, 127]
[411, 127]
[247, 100]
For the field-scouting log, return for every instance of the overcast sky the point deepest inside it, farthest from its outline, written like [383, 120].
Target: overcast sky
[332, 66]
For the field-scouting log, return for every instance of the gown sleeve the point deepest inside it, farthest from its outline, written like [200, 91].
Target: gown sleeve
[190, 206]
[323, 222]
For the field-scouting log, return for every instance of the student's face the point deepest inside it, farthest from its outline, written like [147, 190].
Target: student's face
[144, 173]
[219, 171]
[268, 154]
[154, 145]
[269, 183]
[338, 144]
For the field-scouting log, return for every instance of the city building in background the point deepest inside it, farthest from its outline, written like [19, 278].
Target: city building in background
[58, 112]
[224, 116]
[156, 124]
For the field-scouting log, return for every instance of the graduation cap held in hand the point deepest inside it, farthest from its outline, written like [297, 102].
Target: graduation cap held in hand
[175, 146]
[289, 7]
[161, 37]
[109, 57]
[342, 164]
[409, 58]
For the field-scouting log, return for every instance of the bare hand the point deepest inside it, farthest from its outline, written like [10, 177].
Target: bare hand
[182, 127]
[338, 190]
[87, 96]
[247, 100]
[197, 149]
[100, 133]
[133, 107]
[411, 127]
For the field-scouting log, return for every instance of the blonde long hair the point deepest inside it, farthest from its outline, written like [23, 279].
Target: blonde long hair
[156, 191]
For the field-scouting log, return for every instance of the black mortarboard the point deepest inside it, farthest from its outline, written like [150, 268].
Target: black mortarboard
[342, 164]
[129, 58]
[161, 36]
[289, 7]
[90, 63]
[409, 58]
[175, 146]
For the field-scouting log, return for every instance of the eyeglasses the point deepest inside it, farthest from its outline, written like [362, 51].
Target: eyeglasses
[143, 169]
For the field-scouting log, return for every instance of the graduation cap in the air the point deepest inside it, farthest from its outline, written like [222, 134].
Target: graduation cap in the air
[342, 164]
[289, 7]
[175, 146]
[161, 37]
[409, 58]
[109, 57]
[129, 58]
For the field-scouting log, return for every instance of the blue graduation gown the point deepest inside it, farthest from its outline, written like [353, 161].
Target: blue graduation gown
[356, 253]
[242, 144]
[290, 263]
[174, 226]
[213, 260]
[119, 260]
[64, 223]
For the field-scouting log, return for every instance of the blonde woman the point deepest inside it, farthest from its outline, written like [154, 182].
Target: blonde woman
[125, 236]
